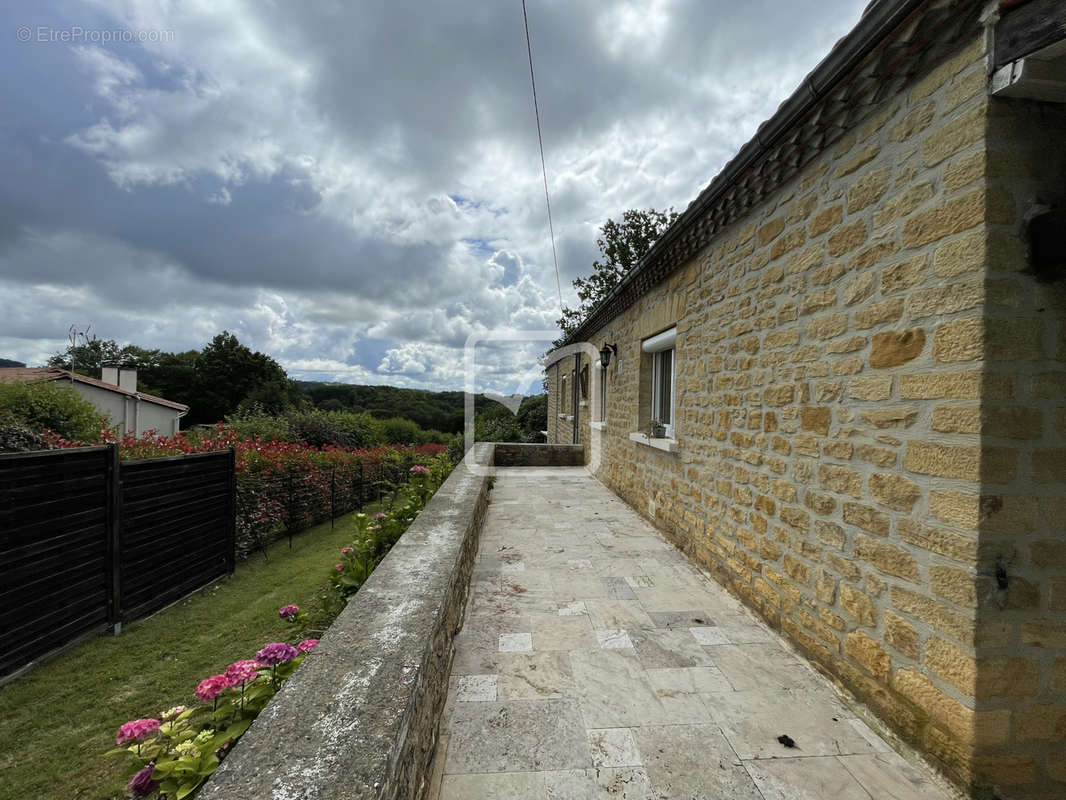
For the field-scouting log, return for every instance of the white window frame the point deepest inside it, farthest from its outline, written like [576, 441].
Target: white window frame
[658, 346]
[599, 404]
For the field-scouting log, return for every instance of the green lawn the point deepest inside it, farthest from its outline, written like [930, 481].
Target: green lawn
[57, 721]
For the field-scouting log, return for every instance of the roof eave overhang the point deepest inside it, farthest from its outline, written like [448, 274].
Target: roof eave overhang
[746, 180]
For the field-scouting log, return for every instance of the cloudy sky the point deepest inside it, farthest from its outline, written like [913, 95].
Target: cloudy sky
[355, 187]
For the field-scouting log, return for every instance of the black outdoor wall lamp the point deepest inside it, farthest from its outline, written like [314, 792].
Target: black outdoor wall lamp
[605, 354]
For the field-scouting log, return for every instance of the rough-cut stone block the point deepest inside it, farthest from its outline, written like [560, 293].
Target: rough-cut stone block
[779, 395]
[868, 189]
[951, 664]
[946, 461]
[858, 605]
[870, 655]
[901, 635]
[959, 256]
[826, 220]
[903, 204]
[956, 135]
[887, 558]
[921, 691]
[914, 123]
[816, 419]
[937, 540]
[870, 388]
[1046, 633]
[860, 159]
[959, 340]
[957, 585]
[846, 238]
[956, 386]
[879, 313]
[867, 518]
[859, 288]
[839, 479]
[950, 217]
[827, 326]
[932, 612]
[890, 417]
[894, 491]
[892, 348]
[819, 301]
[770, 231]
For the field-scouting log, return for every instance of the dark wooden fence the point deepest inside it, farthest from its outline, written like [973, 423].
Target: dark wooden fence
[177, 528]
[88, 542]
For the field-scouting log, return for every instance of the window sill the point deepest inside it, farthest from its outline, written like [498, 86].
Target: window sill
[583, 404]
[567, 417]
[666, 445]
[598, 426]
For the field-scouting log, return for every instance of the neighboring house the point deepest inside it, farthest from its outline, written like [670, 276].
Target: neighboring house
[855, 341]
[115, 395]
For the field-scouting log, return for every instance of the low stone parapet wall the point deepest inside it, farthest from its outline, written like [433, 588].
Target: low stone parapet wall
[359, 719]
[538, 455]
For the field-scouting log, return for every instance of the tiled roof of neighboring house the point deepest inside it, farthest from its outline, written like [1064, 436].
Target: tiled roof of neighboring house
[15, 374]
[863, 68]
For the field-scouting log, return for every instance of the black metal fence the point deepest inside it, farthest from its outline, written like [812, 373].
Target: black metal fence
[293, 497]
[88, 542]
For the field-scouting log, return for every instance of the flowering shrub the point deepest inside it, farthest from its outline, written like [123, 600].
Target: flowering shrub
[374, 536]
[280, 485]
[176, 753]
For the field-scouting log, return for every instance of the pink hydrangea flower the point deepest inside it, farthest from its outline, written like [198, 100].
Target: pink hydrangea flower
[136, 730]
[307, 645]
[242, 671]
[339, 567]
[276, 653]
[418, 469]
[212, 687]
[347, 551]
[288, 611]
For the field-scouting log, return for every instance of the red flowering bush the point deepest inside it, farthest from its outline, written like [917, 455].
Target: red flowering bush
[281, 486]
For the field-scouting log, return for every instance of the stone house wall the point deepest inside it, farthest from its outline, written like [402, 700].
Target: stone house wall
[870, 423]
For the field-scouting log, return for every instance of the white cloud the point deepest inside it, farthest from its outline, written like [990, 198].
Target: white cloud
[356, 188]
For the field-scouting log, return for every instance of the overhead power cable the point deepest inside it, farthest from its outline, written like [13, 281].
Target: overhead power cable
[543, 168]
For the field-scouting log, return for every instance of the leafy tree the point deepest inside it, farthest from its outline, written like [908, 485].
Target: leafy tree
[622, 245]
[397, 430]
[49, 404]
[88, 358]
[226, 372]
[173, 377]
[533, 417]
[342, 428]
[497, 424]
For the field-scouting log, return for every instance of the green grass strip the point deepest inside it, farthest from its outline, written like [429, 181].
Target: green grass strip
[59, 720]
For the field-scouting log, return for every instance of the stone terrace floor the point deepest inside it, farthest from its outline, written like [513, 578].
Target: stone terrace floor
[597, 662]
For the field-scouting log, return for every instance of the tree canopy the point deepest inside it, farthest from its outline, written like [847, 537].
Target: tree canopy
[622, 246]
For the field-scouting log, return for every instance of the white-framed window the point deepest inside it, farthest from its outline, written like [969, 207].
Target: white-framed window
[599, 404]
[663, 368]
[564, 396]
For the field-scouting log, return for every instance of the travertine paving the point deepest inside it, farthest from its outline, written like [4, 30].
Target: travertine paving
[597, 662]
